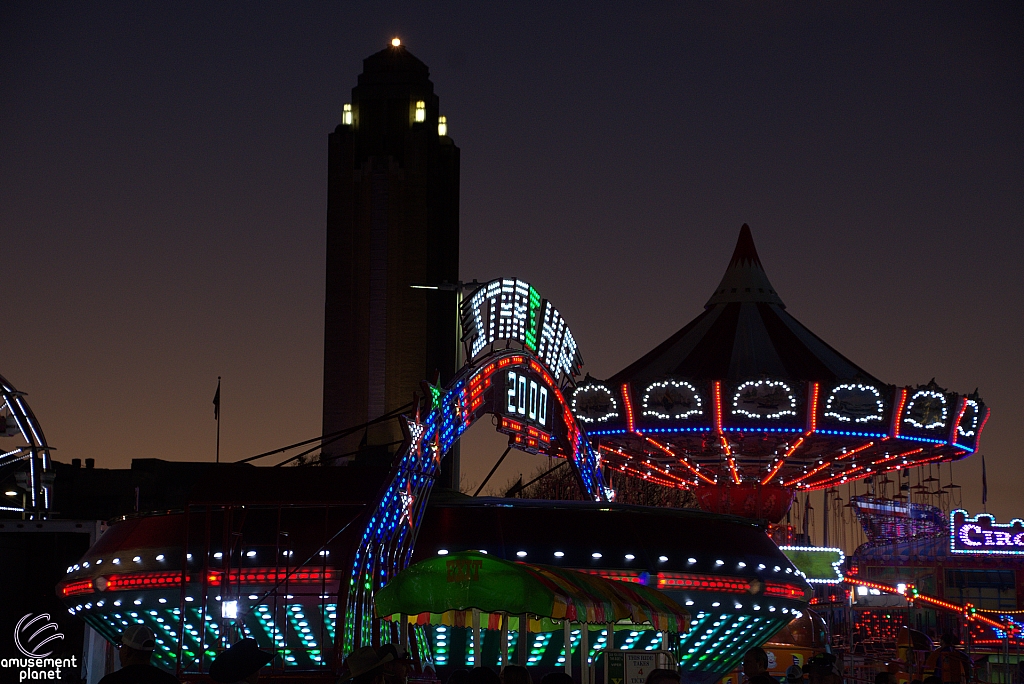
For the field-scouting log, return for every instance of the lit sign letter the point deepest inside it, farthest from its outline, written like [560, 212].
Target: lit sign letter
[515, 304]
[511, 391]
[477, 332]
[965, 535]
[521, 396]
[551, 332]
[531, 412]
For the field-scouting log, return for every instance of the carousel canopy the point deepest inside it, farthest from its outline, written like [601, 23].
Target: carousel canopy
[747, 406]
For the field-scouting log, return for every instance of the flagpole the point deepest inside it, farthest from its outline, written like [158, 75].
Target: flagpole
[216, 403]
[984, 485]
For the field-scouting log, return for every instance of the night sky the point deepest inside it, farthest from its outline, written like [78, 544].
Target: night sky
[163, 195]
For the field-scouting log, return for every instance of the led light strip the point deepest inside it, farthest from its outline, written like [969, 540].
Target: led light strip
[696, 471]
[898, 413]
[808, 474]
[157, 580]
[630, 424]
[912, 594]
[632, 472]
[852, 453]
[721, 436]
[77, 587]
[778, 465]
[819, 549]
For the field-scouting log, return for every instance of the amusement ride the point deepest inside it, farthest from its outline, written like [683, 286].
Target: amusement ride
[744, 406]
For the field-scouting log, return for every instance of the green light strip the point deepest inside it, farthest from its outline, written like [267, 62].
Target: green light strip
[531, 321]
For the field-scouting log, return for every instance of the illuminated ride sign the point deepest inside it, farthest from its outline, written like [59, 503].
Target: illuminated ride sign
[526, 398]
[983, 535]
[525, 411]
[819, 564]
[512, 310]
[524, 387]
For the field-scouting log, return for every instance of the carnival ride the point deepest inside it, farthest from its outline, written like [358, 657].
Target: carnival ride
[746, 407]
[25, 455]
[276, 572]
[474, 589]
[737, 585]
[930, 571]
[243, 567]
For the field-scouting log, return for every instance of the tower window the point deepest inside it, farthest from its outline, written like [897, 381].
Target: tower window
[421, 111]
[346, 115]
[442, 125]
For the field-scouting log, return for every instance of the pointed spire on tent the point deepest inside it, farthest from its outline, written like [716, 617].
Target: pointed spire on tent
[744, 279]
[745, 253]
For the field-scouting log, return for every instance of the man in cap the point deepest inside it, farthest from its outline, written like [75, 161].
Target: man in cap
[794, 675]
[242, 662]
[134, 653]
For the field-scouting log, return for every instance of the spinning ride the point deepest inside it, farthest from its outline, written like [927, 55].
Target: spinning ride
[746, 406]
[25, 454]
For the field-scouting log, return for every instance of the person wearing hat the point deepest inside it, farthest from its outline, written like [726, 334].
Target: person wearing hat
[135, 650]
[365, 666]
[242, 662]
[794, 675]
[401, 665]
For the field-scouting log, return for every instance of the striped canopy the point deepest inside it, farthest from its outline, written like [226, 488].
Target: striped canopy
[447, 589]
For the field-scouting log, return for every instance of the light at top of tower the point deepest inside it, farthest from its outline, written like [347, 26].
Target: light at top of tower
[395, 42]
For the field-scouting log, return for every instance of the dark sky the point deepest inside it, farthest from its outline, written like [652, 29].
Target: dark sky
[163, 194]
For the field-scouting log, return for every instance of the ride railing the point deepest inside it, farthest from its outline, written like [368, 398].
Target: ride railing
[861, 669]
[998, 673]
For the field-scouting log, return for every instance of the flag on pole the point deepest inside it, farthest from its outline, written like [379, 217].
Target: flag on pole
[216, 402]
[984, 482]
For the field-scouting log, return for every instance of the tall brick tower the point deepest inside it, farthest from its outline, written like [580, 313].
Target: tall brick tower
[392, 221]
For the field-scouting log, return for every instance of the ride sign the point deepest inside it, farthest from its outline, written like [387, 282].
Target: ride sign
[510, 309]
[633, 667]
[526, 398]
[983, 535]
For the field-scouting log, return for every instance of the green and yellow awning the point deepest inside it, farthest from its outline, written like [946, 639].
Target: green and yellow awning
[447, 589]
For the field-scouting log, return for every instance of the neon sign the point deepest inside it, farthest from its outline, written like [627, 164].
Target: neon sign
[819, 565]
[983, 535]
[526, 398]
[510, 309]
